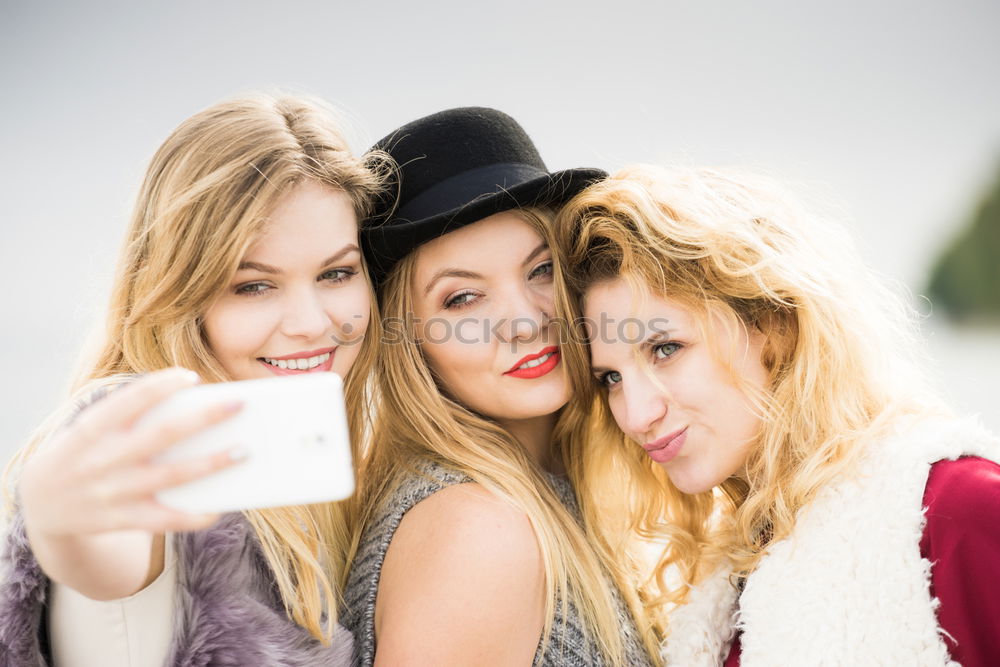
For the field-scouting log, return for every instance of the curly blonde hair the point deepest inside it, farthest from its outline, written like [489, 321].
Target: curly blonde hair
[840, 351]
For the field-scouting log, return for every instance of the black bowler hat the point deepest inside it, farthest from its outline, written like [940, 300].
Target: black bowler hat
[456, 167]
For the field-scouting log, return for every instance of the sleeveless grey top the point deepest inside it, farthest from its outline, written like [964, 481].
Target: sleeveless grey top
[568, 643]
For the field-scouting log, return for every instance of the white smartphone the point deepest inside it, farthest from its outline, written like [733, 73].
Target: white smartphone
[294, 430]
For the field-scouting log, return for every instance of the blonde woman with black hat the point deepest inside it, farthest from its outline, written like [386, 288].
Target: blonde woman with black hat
[470, 543]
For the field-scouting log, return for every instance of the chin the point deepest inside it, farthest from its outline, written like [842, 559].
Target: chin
[536, 411]
[545, 402]
[693, 489]
[553, 393]
[528, 406]
[688, 481]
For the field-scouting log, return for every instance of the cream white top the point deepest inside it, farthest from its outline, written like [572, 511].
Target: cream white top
[131, 632]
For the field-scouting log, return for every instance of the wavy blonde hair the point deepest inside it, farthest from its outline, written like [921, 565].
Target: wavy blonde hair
[840, 352]
[205, 200]
[416, 420]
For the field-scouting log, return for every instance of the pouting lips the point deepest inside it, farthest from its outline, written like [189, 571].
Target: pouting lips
[665, 449]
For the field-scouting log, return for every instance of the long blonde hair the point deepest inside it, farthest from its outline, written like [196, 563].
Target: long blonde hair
[416, 420]
[840, 352]
[205, 200]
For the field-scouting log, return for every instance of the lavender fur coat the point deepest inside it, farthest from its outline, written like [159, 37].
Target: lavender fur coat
[227, 610]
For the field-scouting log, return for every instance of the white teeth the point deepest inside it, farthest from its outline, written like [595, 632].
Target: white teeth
[299, 364]
[536, 362]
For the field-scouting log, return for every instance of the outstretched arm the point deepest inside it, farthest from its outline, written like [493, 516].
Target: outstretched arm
[87, 496]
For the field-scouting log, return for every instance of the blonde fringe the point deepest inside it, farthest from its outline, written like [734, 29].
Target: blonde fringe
[841, 349]
[206, 196]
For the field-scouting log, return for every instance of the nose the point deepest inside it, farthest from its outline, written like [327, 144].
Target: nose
[304, 315]
[644, 405]
[528, 316]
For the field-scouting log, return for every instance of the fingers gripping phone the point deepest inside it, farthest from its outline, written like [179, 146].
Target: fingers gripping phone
[293, 430]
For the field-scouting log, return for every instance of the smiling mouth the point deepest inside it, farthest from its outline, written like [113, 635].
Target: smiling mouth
[301, 364]
[536, 365]
[533, 360]
[538, 361]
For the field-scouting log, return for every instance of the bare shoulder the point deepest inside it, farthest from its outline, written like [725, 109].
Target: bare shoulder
[462, 583]
[468, 516]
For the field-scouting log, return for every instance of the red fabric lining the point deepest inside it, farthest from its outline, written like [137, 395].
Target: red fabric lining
[962, 539]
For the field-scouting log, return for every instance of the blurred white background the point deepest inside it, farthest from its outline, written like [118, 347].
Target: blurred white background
[892, 109]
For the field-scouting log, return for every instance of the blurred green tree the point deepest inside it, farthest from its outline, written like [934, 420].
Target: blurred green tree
[965, 281]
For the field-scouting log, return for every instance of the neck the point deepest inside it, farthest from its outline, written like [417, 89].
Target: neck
[535, 435]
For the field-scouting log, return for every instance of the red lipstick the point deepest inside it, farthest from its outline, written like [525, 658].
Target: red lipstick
[539, 370]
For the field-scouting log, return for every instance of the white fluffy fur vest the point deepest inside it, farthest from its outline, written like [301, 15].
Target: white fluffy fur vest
[849, 586]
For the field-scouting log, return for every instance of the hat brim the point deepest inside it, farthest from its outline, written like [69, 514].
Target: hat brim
[389, 241]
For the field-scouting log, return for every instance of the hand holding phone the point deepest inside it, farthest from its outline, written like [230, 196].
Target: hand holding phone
[87, 493]
[292, 432]
[94, 474]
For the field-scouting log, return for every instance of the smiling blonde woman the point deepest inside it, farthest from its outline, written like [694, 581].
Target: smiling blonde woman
[242, 253]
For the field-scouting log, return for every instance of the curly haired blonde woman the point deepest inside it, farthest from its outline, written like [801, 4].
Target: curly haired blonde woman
[242, 253]
[760, 415]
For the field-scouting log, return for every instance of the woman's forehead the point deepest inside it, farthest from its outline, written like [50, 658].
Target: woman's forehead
[496, 240]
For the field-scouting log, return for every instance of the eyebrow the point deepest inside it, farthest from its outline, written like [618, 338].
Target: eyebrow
[446, 273]
[267, 268]
[598, 370]
[462, 273]
[542, 247]
[658, 336]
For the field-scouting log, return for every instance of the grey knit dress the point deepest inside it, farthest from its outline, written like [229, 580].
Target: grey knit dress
[568, 644]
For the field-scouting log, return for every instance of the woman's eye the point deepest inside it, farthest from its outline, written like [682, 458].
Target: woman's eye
[610, 379]
[542, 270]
[338, 275]
[461, 299]
[664, 350]
[252, 289]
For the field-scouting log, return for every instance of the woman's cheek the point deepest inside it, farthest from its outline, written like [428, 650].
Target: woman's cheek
[236, 333]
[350, 309]
[546, 296]
[615, 404]
[221, 330]
[251, 326]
